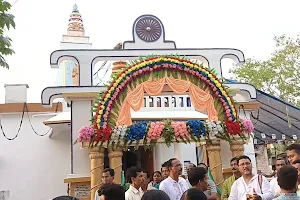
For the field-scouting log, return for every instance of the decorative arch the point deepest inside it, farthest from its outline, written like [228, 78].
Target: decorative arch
[166, 68]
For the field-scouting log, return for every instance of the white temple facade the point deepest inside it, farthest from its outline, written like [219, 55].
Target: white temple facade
[34, 164]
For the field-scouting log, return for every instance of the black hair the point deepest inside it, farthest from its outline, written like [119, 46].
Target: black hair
[296, 162]
[132, 173]
[234, 159]
[243, 157]
[164, 165]
[112, 191]
[287, 177]
[203, 164]
[169, 163]
[65, 198]
[280, 158]
[148, 176]
[196, 174]
[192, 164]
[111, 171]
[193, 194]
[295, 147]
[155, 195]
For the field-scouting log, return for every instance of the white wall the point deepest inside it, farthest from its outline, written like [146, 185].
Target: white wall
[33, 167]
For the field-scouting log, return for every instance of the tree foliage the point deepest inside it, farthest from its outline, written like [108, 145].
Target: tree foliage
[6, 22]
[279, 75]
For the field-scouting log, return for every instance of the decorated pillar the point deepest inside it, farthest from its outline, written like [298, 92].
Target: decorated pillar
[215, 163]
[237, 147]
[97, 165]
[115, 162]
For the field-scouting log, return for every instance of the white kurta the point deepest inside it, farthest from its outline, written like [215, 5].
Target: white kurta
[276, 188]
[173, 188]
[239, 189]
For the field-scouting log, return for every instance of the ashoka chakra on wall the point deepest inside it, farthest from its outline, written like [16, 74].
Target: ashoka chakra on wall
[148, 29]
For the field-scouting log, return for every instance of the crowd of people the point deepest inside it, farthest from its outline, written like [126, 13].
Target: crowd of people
[169, 184]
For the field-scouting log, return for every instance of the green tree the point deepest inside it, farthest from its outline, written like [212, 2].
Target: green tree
[279, 75]
[6, 22]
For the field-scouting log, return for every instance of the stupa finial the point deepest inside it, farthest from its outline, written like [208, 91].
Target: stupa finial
[75, 26]
[75, 8]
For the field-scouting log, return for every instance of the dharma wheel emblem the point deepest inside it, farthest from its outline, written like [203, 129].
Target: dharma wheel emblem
[148, 29]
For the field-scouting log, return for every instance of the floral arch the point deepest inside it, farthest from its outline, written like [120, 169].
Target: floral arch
[112, 124]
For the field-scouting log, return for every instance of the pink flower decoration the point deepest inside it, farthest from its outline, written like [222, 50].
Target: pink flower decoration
[85, 133]
[155, 130]
[248, 126]
[180, 130]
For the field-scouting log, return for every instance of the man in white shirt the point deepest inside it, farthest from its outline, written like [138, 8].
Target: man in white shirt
[250, 186]
[135, 177]
[108, 176]
[279, 163]
[174, 186]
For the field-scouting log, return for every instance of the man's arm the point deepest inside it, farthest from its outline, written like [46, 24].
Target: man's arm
[225, 192]
[234, 192]
[267, 191]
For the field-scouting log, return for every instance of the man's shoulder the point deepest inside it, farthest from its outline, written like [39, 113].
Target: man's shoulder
[238, 180]
[164, 183]
[182, 180]
[274, 180]
[227, 180]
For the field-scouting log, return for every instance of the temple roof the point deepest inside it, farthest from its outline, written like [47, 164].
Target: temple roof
[274, 120]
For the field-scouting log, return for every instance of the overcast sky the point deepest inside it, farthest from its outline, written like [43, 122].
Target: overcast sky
[246, 25]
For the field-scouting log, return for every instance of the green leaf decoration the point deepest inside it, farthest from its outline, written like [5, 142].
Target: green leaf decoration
[183, 76]
[168, 133]
[169, 73]
[174, 74]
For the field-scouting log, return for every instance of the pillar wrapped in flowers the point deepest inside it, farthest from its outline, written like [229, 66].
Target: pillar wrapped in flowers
[115, 162]
[215, 163]
[97, 166]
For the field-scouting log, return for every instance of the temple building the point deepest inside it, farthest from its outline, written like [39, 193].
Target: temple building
[39, 159]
